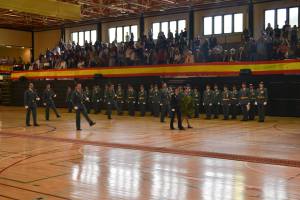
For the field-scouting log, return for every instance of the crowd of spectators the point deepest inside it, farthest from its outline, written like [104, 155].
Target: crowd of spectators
[273, 44]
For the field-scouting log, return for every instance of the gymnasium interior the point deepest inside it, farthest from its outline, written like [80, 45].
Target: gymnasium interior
[154, 83]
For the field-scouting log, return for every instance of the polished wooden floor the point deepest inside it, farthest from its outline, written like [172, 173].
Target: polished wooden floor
[139, 158]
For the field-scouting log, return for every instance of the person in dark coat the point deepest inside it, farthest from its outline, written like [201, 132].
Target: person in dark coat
[208, 101]
[69, 99]
[30, 102]
[244, 101]
[48, 97]
[78, 103]
[261, 101]
[175, 109]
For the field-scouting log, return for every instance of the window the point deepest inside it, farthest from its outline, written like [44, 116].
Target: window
[207, 25]
[238, 22]
[155, 30]
[119, 33]
[227, 23]
[181, 25]
[281, 15]
[173, 26]
[219, 24]
[75, 37]
[270, 18]
[126, 33]
[81, 37]
[87, 36]
[165, 27]
[93, 36]
[294, 16]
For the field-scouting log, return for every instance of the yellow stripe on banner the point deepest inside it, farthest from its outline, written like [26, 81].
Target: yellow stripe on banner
[164, 70]
[6, 68]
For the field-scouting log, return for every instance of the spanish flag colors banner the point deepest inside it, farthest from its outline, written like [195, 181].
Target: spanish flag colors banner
[198, 69]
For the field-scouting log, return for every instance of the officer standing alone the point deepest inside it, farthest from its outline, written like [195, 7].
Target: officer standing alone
[30, 103]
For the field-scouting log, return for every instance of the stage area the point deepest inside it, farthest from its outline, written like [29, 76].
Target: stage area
[140, 158]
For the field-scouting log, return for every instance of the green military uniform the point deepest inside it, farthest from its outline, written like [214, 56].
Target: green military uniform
[252, 99]
[208, 102]
[156, 102]
[164, 103]
[110, 96]
[119, 101]
[30, 103]
[234, 103]
[226, 102]
[244, 102]
[48, 97]
[142, 99]
[87, 99]
[196, 99]
[217, 98]
[69, 100]
[131, 99]
[261, 101]
[78, 103]
[150, 99]
[96, 99]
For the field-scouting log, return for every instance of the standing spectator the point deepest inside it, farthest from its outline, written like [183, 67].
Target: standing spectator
[269, 30]
[277, 32]
[285, 30]
[294, 37]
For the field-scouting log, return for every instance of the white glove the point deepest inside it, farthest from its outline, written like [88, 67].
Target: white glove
[54, 96]
[173, 110]
[134, 102]
[255, 103]
[160, 104]
[197, 104]
[108, 103]
[218, 103]
[76, 108]
[38, 98]
[265, 103]
[122, 101]
[26, 107]
[203, 104]
[210, 104]
[45, 104]
[88, 99]
[144, 103]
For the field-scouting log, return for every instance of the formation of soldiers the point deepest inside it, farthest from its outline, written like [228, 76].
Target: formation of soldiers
[161, 102]
[248, 100]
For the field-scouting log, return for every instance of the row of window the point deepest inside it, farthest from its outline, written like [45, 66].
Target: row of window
[82, 36]
[169, 26]
[230, 23]
[219, 24]
[279, 16]
[122, 33]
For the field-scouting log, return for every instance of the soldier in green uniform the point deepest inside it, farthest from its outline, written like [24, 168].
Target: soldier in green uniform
[156, 101]
[69, 99]
[252, 98]
[208, 101]
[48, 97]
[119, 99]
[244, 101]
[197, 99]
[87, 99]
[216, 101]
[150, 99]
[187, 106]
[131, 99]
[234, 102]
[30, 103]
[142, 99]
[164, 102]
[110, 96]
[96, 99]
[261, 101]
[226, 102]
[79, 107]
[105, 97]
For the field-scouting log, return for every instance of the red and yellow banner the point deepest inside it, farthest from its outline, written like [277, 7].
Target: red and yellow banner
[199, 69]
[6, 69]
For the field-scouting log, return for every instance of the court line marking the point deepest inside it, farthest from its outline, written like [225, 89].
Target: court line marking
[226, 156]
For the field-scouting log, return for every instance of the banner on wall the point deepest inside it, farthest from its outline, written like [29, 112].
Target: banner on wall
[199, 69]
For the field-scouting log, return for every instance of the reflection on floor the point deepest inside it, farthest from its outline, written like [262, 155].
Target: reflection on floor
[55, 162]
